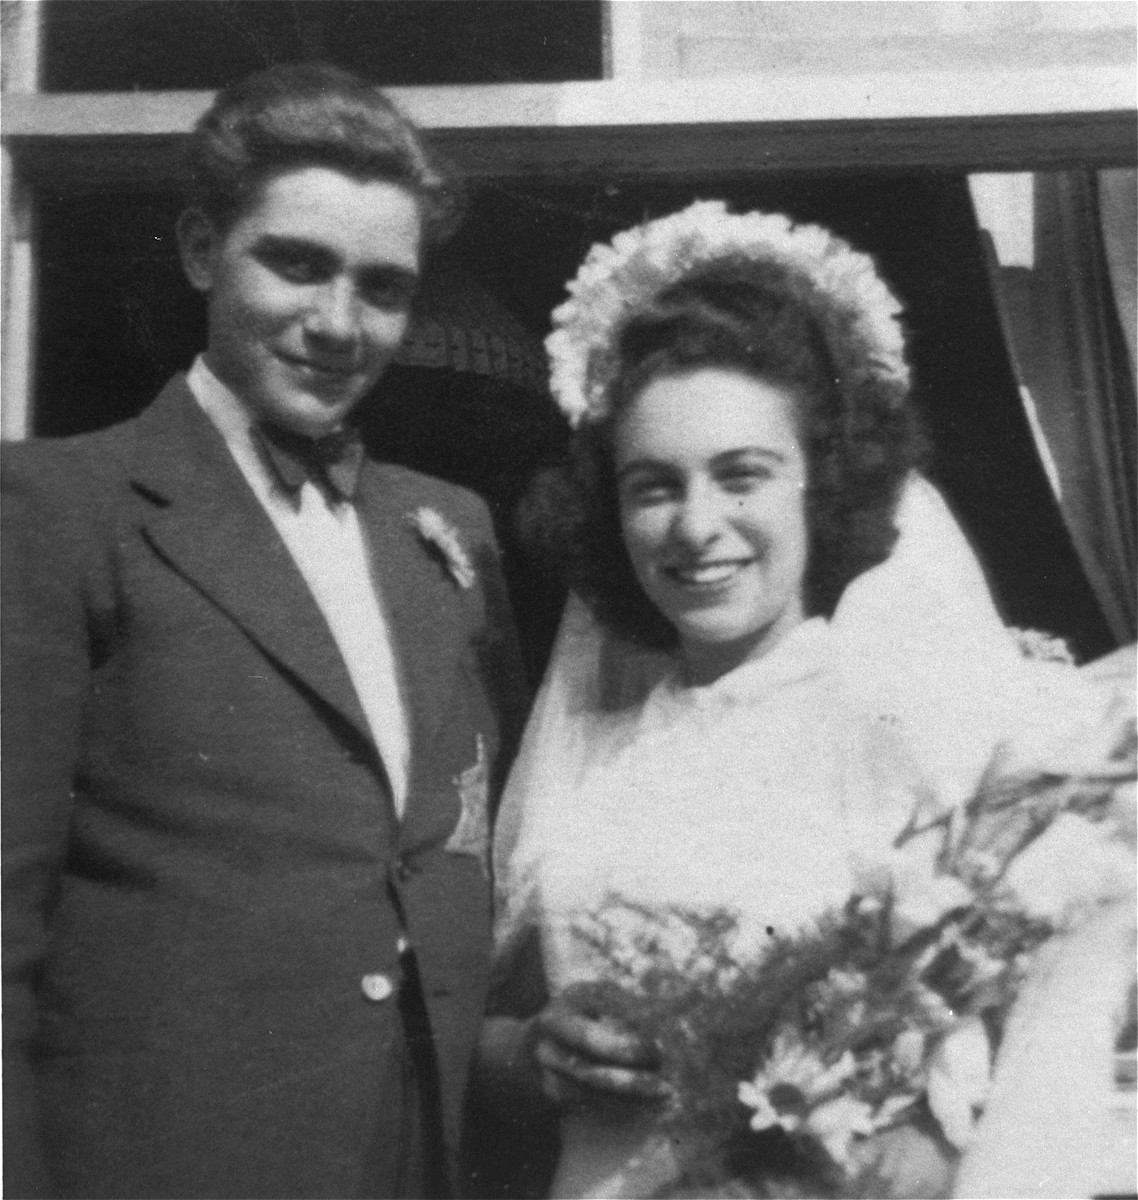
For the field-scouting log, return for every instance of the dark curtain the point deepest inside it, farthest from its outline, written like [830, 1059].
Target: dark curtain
[1069, 322]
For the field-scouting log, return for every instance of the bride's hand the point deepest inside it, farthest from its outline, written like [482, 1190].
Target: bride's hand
[584, 1056]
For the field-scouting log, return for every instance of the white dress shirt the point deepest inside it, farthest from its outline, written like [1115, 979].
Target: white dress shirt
[327, 544]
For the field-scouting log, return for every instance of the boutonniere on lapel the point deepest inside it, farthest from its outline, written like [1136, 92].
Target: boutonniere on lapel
[472, 833]
[443, 542]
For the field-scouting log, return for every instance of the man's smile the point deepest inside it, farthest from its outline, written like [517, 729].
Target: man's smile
[332, 371]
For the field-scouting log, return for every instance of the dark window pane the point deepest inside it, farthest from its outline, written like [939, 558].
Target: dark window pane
[155, 45]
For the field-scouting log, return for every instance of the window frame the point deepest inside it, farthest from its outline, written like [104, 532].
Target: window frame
[621, 127]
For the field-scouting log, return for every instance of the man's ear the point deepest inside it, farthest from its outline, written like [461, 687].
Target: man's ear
[198, 240]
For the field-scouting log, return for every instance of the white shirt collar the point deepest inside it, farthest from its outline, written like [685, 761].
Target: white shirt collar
[221, 404]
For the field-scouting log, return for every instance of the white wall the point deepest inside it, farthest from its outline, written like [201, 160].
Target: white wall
[696, 38]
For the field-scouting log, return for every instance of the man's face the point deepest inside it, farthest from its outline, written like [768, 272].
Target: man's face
[309, 292]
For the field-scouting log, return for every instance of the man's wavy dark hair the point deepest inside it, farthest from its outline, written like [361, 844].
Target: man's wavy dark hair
[310, 114]
[858, 434]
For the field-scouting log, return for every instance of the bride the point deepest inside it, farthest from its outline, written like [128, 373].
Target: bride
[779, 643]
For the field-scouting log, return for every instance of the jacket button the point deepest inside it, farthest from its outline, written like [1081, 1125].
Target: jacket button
[376, 986]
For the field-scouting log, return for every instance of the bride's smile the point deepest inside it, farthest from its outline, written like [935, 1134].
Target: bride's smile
[708, 576]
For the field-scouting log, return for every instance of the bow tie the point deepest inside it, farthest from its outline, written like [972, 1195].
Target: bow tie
[332, 462]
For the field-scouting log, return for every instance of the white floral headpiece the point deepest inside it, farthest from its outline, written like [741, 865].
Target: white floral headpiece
[856, 311]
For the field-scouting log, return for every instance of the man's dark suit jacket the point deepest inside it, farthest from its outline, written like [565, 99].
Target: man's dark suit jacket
[202, 863]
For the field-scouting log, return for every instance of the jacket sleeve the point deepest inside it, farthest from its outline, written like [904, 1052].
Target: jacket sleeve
[45, 663]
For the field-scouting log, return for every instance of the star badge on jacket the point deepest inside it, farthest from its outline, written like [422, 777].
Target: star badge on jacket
[472, 833]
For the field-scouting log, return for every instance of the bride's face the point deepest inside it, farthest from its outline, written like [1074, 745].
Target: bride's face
[711, 483]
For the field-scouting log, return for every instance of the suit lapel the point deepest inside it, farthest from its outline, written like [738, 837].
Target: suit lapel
[421, 603]
[209, 526]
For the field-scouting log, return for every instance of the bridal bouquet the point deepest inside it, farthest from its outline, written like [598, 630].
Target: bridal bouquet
[782, 1065]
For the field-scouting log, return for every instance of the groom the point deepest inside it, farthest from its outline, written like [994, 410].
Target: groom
[257, 690]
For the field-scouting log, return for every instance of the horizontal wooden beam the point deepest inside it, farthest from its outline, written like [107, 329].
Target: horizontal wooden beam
[678, 128]
[100, 163]
[770, 97]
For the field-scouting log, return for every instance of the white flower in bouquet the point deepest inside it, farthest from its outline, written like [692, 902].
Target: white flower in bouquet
[959, 1076]
[919, 891]
[836, 1123]
[1068, 870]
[908, 1052]
[791, 1082]
[795, 1091]
[922, 898]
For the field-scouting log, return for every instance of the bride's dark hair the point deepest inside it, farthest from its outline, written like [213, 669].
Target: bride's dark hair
[857, 430]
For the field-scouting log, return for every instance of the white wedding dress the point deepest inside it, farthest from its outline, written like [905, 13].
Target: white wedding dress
[760, 792]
